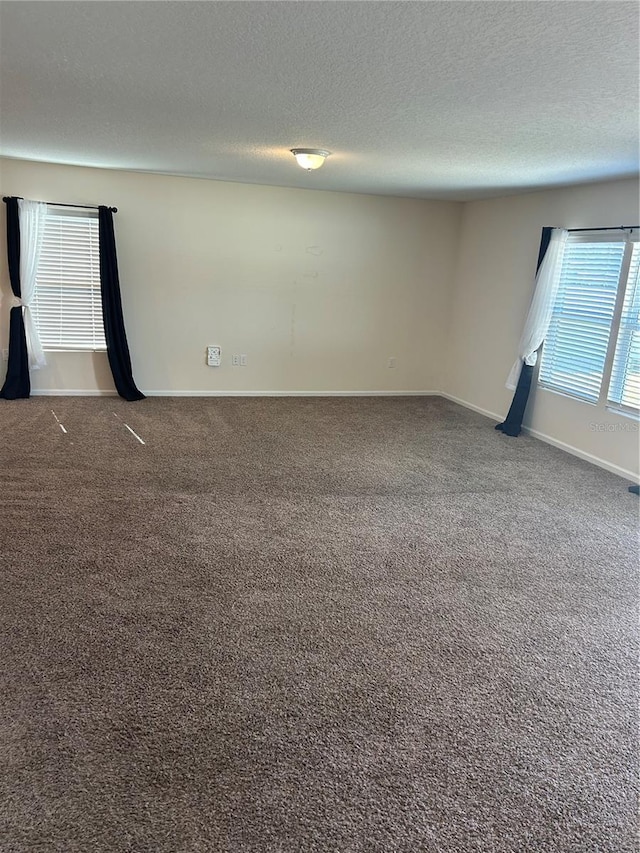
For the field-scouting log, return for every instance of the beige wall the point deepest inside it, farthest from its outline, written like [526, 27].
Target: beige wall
[318, 289]
[497, 255]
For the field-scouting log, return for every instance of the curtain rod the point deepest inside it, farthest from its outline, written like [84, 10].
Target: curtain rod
[615, 228]
[61, 204]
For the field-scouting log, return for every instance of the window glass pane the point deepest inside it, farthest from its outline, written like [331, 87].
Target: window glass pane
[624, 389]
[575, 349]
[67, 307]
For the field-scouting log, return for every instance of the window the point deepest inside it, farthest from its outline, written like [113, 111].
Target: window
[624, 388]
[67, 307]
[592, 348]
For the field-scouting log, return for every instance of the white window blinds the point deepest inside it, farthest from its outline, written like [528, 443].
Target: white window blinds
[575, 349]
[624, 388]
[67, 307]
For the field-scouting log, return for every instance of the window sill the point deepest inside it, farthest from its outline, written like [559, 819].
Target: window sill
[62, 349]
[624, 413]
[612, 410]
[566, 395]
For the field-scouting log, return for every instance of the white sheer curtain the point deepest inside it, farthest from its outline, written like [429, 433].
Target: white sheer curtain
[539, 316]
[33, 215]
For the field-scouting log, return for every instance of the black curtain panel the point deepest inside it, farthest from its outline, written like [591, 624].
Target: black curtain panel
[512, 425]
[17, 384]
[117, 347]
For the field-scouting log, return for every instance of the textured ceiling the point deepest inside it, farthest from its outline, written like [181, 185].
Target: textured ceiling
[449, 99]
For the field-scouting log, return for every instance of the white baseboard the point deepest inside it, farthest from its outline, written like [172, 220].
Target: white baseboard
[561, 445]
[174, 393]
[71, 392]
[76, 392]
[581, 454]
[485, 412]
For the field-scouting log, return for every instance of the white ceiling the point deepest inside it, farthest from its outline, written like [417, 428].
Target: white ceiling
[429, 99]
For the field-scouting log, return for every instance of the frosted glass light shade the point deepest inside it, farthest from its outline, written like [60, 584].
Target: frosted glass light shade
[310, 158]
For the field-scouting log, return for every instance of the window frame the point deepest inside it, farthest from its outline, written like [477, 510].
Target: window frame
[96, 328]
[628, 238]
[620, 408]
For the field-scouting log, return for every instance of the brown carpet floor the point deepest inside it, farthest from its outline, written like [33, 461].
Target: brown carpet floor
[368, 625]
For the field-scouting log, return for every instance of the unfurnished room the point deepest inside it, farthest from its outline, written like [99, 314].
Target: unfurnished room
[319, 426]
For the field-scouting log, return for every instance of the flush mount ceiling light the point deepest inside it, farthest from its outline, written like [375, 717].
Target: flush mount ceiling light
[310, 158]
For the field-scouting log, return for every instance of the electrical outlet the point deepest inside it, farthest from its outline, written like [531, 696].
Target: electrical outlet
[391, 363]
[235, 360]
[5, 355]
[243, 360]
[214, 355]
